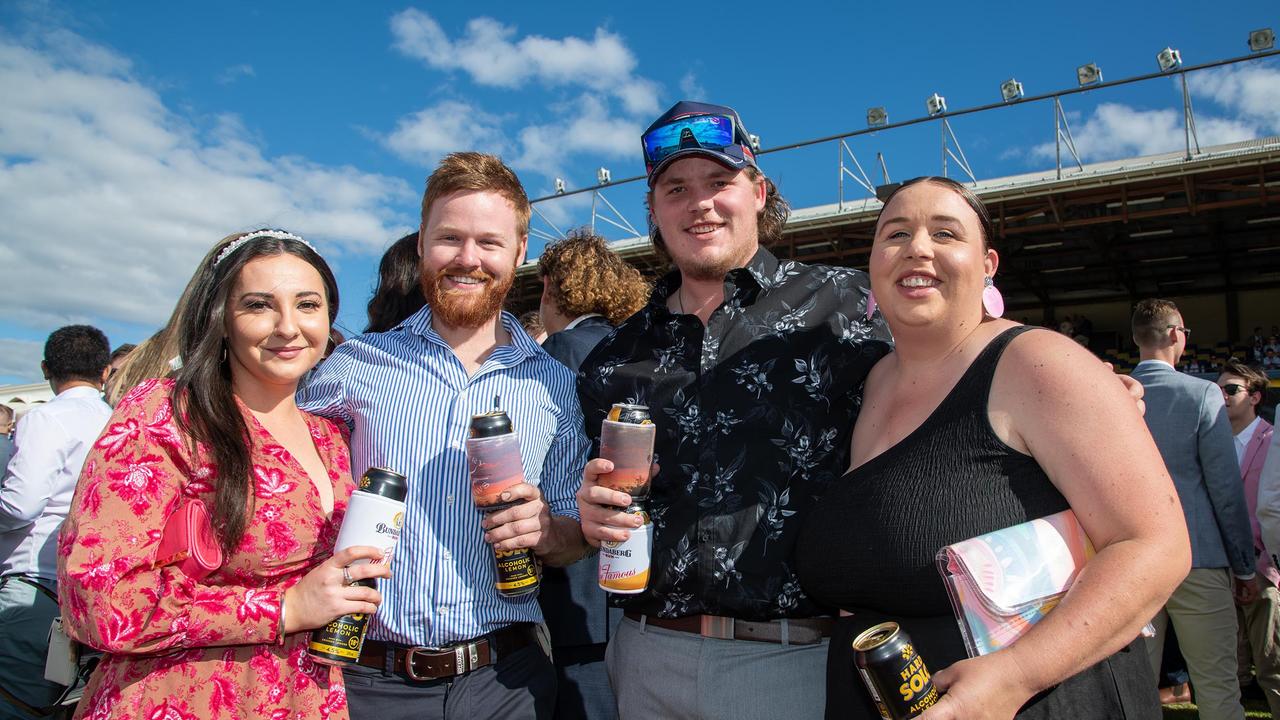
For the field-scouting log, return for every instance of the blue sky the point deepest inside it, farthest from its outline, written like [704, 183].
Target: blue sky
[134, 135]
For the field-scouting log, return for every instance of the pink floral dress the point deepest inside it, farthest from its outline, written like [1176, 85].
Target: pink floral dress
[178, 648]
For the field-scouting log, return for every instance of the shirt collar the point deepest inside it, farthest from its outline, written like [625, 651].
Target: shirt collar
[578, 320]
[1155, 362]
[1246, 434]
[524, 346]
[80, 391]
[742, 283]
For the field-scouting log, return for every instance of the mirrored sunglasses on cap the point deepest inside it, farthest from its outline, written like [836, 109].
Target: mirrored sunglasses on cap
[715, 133]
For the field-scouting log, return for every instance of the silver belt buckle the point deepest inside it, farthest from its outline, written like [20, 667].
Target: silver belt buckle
[466, 657]
[717, 626]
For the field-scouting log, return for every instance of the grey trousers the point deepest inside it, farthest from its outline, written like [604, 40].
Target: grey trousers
[658, 673]
[520, 686]
[25, 615]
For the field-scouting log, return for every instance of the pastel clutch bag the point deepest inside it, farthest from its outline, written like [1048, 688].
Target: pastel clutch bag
[1004, 582]
[189, 542]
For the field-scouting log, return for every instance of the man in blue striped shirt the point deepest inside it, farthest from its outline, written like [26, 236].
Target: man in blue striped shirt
[444, 639]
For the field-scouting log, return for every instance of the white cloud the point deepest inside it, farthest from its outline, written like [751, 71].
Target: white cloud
[587, 128]
[109, 197]
[234, 73]
[639, 96]
[1115, 130]
[690, 88]
[20, 359]
[493, 54]
[450, 125]
[489, 53]
[1231, 103]
[1250, 91]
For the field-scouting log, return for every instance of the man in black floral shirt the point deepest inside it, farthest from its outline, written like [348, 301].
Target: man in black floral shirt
[752, 369]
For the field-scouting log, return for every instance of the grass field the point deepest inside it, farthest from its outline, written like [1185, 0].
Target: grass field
[1253, 708]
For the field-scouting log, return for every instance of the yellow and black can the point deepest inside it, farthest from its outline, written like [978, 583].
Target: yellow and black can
[339, 642]
[893, 671]
[518, 572]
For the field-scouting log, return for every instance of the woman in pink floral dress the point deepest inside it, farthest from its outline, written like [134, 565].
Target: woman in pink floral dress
[276, 481]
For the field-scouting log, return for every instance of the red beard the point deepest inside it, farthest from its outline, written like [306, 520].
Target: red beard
[466, 310]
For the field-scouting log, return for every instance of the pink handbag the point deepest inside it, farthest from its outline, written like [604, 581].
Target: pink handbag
[189, 542]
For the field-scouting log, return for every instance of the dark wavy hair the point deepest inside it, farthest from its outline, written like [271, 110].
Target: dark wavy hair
[399, 291]
[204, 407]
[770, 220]
[972, 200]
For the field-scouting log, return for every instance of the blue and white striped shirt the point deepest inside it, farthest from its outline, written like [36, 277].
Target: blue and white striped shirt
[408, 401]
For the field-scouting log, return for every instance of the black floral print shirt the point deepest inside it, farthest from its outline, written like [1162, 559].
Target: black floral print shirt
[754, 414]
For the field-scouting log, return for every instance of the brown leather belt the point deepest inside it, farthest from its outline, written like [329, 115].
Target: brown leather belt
[424, 663]
[795, 631]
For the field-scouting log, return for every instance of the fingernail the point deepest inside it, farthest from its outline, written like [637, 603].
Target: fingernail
[506, 496]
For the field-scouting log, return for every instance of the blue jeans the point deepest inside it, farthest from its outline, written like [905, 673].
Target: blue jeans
[25, 615]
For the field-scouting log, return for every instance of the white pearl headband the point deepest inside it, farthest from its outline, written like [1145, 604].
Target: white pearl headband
[277, 234]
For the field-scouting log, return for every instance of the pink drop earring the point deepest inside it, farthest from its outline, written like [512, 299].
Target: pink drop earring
[992, 300]
[871, 304]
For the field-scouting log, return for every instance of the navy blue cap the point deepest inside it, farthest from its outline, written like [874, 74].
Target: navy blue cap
[735, 156]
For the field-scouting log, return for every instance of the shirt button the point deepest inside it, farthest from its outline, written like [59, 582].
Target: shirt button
[442, 611]
[449, 499]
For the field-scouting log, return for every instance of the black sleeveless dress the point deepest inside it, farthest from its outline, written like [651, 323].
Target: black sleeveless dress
[869, 548]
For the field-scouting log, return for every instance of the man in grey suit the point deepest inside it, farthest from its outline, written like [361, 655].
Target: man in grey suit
[1189, 422]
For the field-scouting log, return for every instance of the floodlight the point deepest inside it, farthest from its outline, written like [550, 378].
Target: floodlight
[603, 177]
[1260, 40]
[559, 186]
[755, 143]
[936, 104]
[1089, 74]
[877, 117]
[1169, 59]
[1011, 90]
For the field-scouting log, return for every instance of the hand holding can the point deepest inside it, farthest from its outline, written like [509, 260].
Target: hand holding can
[626, 439]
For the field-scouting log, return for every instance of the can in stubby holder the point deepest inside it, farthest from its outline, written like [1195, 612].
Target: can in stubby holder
[493, 461]
[893, 672]
[624, 566]
[375, 516]
[626, 440]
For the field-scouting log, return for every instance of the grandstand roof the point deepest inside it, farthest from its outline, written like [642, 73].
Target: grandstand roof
[1124, 229]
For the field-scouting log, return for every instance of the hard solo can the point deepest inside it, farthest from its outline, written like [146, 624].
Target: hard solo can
[375, 516]
[893, 672]
[624, 566]
[517, 572]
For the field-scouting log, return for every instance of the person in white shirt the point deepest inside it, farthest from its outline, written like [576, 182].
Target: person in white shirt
[1243, 388]
[50, 446]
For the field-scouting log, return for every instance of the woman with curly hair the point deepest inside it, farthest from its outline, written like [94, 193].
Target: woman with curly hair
[587, 290]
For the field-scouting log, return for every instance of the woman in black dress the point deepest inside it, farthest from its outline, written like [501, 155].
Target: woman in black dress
[971, 425]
